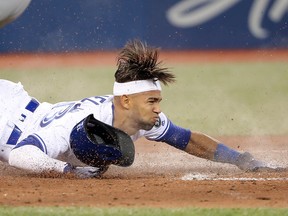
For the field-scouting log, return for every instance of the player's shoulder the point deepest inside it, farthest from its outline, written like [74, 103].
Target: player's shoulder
[98, 100]
[88, 101]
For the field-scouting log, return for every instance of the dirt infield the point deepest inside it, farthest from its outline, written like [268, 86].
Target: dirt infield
[161, 175]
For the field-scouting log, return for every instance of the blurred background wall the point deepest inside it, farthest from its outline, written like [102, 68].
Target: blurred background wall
[92, 25]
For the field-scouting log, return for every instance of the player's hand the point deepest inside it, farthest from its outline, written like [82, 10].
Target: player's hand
[248, 163]
[85, 172]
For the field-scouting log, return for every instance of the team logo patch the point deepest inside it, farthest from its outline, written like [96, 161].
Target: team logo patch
[158, 123]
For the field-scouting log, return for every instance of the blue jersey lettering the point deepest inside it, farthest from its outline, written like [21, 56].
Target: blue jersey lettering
[61, 109]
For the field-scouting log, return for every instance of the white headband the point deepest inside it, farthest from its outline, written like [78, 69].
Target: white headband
[134, 87]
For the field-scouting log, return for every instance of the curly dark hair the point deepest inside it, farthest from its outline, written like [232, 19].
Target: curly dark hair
[137, 61]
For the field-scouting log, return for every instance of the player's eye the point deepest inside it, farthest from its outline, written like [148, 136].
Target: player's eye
[151, 101]
[154, 100]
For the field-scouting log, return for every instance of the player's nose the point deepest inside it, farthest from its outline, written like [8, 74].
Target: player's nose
[157, 108]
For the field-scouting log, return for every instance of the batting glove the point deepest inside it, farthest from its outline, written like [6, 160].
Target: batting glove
[248, 163]
[85, 172]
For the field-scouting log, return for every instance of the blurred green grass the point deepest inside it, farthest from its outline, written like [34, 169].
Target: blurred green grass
[215, 98]
[79, 211]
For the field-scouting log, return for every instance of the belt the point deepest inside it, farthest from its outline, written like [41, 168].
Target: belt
[16, 132]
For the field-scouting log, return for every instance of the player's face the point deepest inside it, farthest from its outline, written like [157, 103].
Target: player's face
[145, 108]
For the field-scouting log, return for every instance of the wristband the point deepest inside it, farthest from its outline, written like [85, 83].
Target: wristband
[225, 154]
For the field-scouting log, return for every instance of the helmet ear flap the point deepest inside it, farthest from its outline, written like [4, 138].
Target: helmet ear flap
[98, 144]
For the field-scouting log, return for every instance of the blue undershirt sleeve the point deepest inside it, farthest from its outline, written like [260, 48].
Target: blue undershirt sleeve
[176, 136]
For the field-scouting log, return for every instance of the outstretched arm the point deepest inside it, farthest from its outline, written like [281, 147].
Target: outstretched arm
[32, 159]
[203, 146]
[209, 148]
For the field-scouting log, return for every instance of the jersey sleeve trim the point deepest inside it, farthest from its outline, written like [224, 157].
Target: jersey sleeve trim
[35, 140]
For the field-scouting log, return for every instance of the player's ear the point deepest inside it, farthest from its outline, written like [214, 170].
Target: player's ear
[125, 101]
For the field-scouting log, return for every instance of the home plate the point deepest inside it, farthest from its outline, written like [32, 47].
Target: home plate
[199, 177]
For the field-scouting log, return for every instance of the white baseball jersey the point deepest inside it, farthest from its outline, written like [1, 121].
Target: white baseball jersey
[51, 124]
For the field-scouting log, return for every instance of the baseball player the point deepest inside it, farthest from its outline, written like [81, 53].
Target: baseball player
[11, 10]
[85, 137]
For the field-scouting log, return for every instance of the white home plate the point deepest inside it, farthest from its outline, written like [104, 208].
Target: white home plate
[198, 176]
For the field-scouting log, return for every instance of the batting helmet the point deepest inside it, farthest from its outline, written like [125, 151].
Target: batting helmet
[98, 144]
